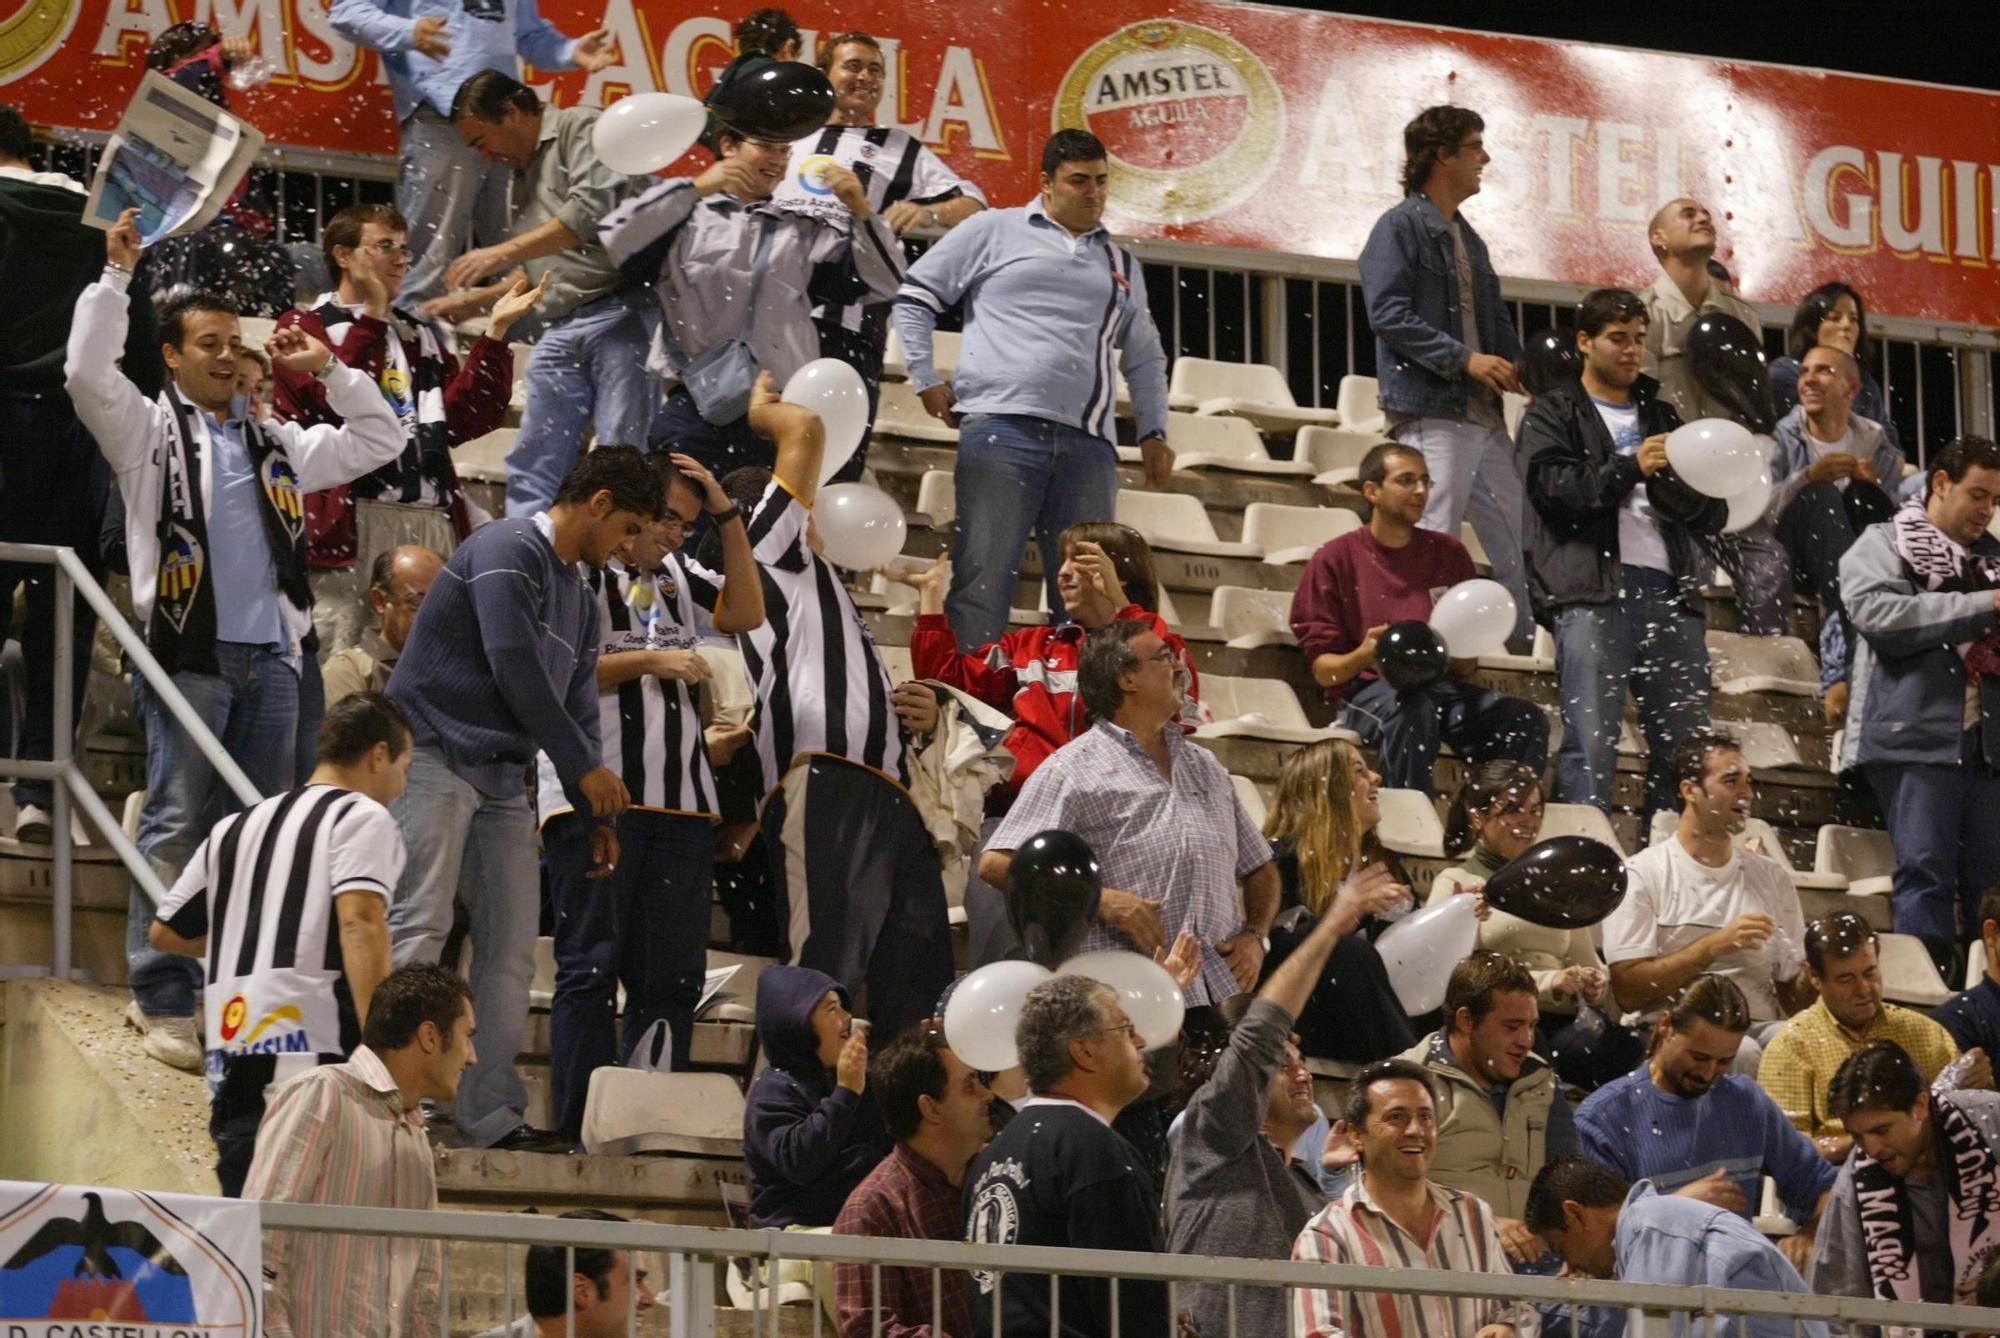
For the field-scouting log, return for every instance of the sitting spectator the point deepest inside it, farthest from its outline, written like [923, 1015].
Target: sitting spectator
[1393, 1214]
[1501, 1112]
[1391, 571]
[1323, 840]
[579, 1291]
[1613, 563]
[1973, 1016]
[1923, 592]
[809, 1133]
[1833, 316]
[1495, 816]
[1663, 934]
[1604, 1226]
[1713, 1134]
[398, 580]
[1903, 1225]
[1158, 811]
[1106, 576]
[350, 1135]
[1802, 1058]
[1059, 1175]
[937, 1111]
[1234, 1185]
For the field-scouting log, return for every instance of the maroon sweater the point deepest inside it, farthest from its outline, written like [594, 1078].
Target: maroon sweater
[1353, 583]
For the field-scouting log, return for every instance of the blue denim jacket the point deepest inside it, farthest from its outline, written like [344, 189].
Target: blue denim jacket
[1410, 282]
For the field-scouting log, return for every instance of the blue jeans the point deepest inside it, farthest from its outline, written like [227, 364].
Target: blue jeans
[451, 198]
[466, 845]
[589, 367]
[1408, 728]
[1945, 856]
[1017, 475]
[643, 926]
[252, 706]
[1646, 639]
[720, 447]
[1473, 476]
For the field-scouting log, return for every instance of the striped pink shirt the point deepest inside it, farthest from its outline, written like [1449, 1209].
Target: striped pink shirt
[1354, 1230]
[339, 1135]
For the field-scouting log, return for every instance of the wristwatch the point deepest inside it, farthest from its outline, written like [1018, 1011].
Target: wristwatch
[722, 518]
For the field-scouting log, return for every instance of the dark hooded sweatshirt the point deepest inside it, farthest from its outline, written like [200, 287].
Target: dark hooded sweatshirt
[48, 255]
[807, 1142]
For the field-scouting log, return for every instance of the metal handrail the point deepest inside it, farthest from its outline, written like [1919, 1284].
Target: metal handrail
[73, 578]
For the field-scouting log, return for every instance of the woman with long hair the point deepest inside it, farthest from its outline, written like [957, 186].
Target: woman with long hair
[1832, 314]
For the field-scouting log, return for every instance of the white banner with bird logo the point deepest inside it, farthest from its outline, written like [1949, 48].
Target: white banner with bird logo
[81, 1262]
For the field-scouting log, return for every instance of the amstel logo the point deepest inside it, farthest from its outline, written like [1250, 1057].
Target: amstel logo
[31, 34]
[1191, 117]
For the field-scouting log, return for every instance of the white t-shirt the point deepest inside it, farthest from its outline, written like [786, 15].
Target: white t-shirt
[1672, 899]
[1819, 450]
[1640, 543]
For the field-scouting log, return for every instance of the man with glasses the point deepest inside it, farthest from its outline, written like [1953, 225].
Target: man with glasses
[439, 401]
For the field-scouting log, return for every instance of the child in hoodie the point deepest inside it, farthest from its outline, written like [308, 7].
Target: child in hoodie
[809, 1131]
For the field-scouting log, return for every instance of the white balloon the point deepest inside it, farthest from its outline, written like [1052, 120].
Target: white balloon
[979, 1017]
[834, 391]
[1746, 508]
[1145, 988]
[643, 132]
[1420, 951]
[860, 527]
[1715, 456]
[1474, 618]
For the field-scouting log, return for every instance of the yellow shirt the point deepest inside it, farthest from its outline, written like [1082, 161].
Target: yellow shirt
[1808, 1050]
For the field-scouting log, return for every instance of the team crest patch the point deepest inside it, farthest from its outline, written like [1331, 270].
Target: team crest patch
[282, 486]
[181, 565]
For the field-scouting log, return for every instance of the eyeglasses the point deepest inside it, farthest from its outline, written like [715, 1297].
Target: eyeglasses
[1126, 1029]
[389, 250]
[675, 524]
[1164, 655]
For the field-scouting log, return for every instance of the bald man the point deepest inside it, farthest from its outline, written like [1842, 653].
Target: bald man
[396, 588]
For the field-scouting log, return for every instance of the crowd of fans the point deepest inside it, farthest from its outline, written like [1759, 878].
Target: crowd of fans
[467, 725]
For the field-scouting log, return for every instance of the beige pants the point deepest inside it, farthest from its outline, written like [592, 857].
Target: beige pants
[341, 612]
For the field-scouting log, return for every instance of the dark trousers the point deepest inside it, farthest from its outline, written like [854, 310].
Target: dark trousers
[679, 426]
[1409, 727]
[862, 350]
[863, 895]
[644, 925]
[52, 485]
[1940, 821]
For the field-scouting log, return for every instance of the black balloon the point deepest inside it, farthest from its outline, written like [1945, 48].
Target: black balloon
[1052, 892]
[1550, 359]
[1411, 655]
[1728, 361]
[783, 101]
[1867, 504]
[1565, 882]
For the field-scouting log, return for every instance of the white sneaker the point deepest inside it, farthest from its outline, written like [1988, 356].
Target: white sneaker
[33, 826]
[171, 1040]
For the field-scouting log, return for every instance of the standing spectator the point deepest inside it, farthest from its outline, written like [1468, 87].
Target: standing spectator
[729, 266]
[1501, 1112]
[1711, 1134]
[588, 366]
[1973, 1016]
[1050, 303]
[399, 578]
[429, 50]
[289, 901]
[1698, 903]
[1833, 316]
[1389, 571]
[1158, 811]
[936, 1109]
[1923, 591]
[637, 926]
[439, 402]
[253, 381]
[215, 532]
[1614, 566]
[350, 1135]
[1445, 346]
[906, 183]
[54, 478]
[763, 37]
[1060, 1175]
[1393, 1214]
[1850, 1012]
[510, 596]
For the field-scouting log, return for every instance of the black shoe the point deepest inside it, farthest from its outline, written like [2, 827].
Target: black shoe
[527, 1138]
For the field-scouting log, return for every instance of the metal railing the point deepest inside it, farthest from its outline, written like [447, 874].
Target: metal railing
[693, 1256]
[71, 785]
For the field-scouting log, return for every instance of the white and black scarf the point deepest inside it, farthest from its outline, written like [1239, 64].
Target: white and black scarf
[419, 406]
[1940, 563]
[1971, 1176]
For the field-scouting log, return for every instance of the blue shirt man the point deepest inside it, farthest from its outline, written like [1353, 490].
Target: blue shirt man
[1049, 299]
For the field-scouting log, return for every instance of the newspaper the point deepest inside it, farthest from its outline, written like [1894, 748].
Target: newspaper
[176, 157]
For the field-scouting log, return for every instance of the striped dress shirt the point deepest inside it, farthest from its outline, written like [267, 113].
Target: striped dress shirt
[1353, 1229]
[340, 1135]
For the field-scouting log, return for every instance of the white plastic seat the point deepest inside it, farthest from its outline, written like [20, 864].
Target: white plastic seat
[1540, 659]
[899, 413]
[1251, 618]
[1287, 534]
[1768, 842]
[896, 659]
[937, 497]
[1975, 963]
[1580, 820]
[628, 1111]
[1741, 663]
[1767, 746]
[945, 348]
[1175, 403]
[1253, 390]
[1250, 797]
[484, 459]
[1512, 409]
[1360, 409]
[898, 598]
[1258, 708]
[1205, 441]
[1177, 523]
[1909, 976]
[1335, 453]
[1410, 823]
[1864, 856]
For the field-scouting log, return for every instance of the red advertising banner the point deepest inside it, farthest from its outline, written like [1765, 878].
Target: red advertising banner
[1255, 127]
